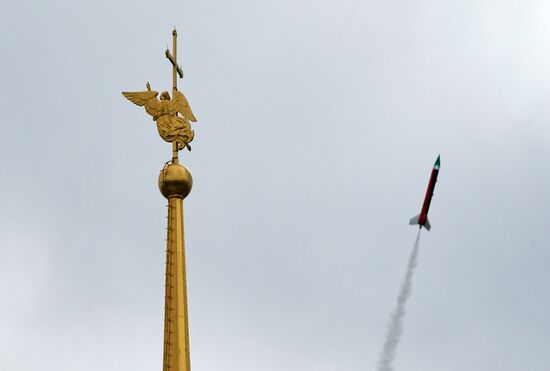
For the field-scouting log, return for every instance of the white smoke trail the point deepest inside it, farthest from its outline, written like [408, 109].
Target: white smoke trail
[395, 326]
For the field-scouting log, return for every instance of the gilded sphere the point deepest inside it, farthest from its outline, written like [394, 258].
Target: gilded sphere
[175, 181]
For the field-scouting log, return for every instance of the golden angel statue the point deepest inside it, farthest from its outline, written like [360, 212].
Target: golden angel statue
[171, 127]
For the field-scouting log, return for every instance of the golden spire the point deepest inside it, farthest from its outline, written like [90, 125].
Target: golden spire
[175, 183]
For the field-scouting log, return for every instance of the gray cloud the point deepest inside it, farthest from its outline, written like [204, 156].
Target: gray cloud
[318, 124]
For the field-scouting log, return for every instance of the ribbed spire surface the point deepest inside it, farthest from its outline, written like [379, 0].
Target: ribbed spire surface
[176, 327]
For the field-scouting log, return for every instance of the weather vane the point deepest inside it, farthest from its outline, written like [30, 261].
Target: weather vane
[173, 116]
[171, 127]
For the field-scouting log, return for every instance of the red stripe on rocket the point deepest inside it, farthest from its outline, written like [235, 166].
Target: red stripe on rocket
[422, 218]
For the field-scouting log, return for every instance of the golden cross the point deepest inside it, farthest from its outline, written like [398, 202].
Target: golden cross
[175, 68]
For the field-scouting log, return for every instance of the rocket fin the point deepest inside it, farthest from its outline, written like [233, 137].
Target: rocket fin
[414, 220]
[427, 225]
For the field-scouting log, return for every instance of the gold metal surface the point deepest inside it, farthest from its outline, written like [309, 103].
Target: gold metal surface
[171, 127]
[176, 326]
[175, 183]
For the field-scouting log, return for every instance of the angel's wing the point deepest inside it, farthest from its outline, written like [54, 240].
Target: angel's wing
[180, 104]
[145, 98]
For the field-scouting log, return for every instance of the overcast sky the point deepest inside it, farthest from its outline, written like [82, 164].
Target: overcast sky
[318, 124]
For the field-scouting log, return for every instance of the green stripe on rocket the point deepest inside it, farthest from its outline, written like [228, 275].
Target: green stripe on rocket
[437, 162]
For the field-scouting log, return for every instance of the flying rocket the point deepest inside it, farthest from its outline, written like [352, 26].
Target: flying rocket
[422, 218]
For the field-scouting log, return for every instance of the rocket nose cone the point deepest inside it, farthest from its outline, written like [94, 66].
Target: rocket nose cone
[437, 162]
